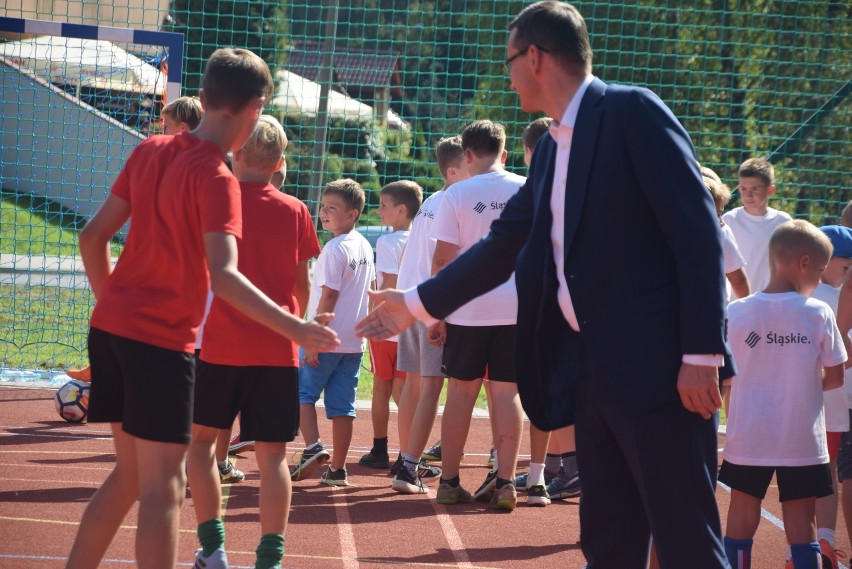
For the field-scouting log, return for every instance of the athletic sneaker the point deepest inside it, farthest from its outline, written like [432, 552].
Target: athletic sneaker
[490, 462]
[230, 474]
[829, 555]
[310, 461]
[486, 490]
[449, 495]
[426, 471]
[216, 560]
[537, 496]
[406, 483]
[505, 498]
[335, 477]
[434, 454]
[375, 459]
[397, 464]
[564, 486]
[237, 445]
[521, 480]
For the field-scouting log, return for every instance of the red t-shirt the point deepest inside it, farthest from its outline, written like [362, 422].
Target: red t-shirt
[179, 188]
[278, 233]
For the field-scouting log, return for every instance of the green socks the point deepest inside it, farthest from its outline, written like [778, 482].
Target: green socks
[211, 536]
[270, 551]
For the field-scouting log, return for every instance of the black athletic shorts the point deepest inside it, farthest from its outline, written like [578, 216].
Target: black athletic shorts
[266, 397]
[469, 350]
[794, 482]
[145, 388]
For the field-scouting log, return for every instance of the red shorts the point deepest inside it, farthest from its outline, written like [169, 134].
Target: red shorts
[383, 360]
[833, 440]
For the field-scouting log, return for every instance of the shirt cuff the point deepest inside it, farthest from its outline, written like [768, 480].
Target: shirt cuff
[416, 308]
[712, 360]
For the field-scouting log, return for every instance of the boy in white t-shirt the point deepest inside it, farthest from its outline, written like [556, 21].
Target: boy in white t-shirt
[781, 341]
[836, 401]
[343, 274]
[481, 334]
[754, 222]
[398, 204]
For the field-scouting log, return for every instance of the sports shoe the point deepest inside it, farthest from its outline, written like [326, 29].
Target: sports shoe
[505, 498]
[426, 471]
[375, 459]
[433, 454]
[564, 486]
[486, 490]
[309, 462]
[230, 474]
[397, 464]
[449, 495]
[490, 462]
[406, 483]
[537, 496]
[82, 374]
[335, 477]
[521, 480]
[238, 445]
[829, 555]
[216, 560]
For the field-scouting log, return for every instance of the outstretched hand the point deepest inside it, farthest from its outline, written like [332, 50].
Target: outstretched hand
[698, 387]
[389, 317]
[315, 336]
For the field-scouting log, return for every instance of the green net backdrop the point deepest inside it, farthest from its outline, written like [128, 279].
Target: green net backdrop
[768, 78]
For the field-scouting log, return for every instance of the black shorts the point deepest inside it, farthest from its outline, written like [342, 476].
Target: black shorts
[266, 397]
[794, 482]
[469, 350]
[145, 388]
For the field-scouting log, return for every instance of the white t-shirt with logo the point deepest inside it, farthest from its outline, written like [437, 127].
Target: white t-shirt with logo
[780, 344]
[416, 263]
[389, 250]
[345, 265]
[752, 233]
[464, 217]
[836, 400]
[732, 259]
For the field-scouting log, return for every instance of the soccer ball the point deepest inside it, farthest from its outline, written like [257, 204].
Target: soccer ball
[72, 401]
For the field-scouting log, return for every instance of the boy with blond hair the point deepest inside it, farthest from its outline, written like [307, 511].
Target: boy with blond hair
[788, 350]
[754, 222]
[182, 115]
[343, 274]
[184, 204]
[399, 203]
[245, 367]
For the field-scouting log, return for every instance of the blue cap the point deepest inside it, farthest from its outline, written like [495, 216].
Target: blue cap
[841, 239]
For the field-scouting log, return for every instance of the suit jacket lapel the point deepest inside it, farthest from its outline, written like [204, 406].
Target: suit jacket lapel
[580, 160]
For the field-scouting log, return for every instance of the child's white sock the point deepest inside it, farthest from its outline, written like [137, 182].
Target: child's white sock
[827, 534]
[536, 475]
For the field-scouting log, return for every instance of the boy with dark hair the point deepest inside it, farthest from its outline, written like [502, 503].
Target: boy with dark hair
[343, 274]
[788, 350]
[245, 367]
[399, 202]
[185, 209]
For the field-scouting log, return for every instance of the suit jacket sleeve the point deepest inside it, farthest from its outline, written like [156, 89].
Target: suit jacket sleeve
[486, 265]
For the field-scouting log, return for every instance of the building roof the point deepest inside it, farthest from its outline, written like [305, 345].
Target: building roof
[351, 66]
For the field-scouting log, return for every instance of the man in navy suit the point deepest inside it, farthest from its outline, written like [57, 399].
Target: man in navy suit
[618, 262]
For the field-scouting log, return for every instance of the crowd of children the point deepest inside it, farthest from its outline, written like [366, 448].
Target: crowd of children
[278, 336]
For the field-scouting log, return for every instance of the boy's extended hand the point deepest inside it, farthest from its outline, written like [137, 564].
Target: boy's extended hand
[390, 317]
[698, 387]
[437, 334]
[315, 336]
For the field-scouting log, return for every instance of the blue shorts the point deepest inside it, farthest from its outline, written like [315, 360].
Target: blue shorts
[337, 376]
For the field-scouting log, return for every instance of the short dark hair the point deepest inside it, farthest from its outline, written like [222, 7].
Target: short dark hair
[535, 130]
[484, 138]
[449, 152]
[349, 191]
[758, 168]
[555, 27]
[233, 78]
[407, 193]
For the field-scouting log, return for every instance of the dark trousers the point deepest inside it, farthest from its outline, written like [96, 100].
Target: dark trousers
[646, 471]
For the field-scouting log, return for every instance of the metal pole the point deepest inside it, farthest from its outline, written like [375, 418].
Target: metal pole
[326, 76]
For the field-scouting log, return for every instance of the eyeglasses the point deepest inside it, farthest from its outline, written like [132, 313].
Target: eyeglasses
[507, 65]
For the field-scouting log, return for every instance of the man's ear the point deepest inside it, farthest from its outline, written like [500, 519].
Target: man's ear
[202, 99]
[504, 156]
[770, 189]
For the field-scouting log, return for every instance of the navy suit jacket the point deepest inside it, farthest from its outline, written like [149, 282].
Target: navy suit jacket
[643, 260]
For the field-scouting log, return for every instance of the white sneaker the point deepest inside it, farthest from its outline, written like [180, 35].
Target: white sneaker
[216, 560]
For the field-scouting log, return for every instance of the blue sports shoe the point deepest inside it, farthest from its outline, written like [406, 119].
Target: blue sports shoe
[564, 486]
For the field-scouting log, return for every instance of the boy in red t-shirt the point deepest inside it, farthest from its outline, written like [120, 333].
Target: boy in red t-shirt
[245, 367]
[185, 209]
